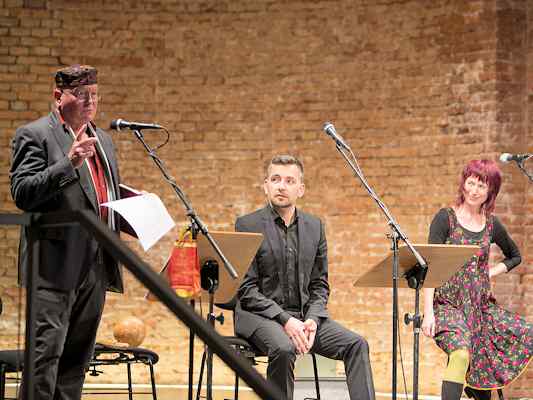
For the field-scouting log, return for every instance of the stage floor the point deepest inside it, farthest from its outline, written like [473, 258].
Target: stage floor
[329, 390]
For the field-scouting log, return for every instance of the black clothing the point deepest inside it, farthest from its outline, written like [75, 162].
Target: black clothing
[67, 322]
[43, 180]
[332, 341]
[439, 232]
[259, 313]
[289, 282]
[260, 293]
[451, 390]
[74, 270]
[478, 394]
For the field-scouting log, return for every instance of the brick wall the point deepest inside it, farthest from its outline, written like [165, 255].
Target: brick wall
[416, 87]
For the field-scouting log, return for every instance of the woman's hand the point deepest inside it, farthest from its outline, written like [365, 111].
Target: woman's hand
[428, 324]
[498, 269]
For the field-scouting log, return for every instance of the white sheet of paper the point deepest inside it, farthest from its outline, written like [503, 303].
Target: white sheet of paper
[147, 215]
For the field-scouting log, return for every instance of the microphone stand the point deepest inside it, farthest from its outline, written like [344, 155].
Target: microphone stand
[415, 277]
[195, 219]
[197, 225]
[523, 169]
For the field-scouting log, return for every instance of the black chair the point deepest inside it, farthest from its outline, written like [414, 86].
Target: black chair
[250, 352]
[10, 362]
[247, 350]
[116, 355]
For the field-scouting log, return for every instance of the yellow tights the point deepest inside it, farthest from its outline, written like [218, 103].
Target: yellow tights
[458, 362]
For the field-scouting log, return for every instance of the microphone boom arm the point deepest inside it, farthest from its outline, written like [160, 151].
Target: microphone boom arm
[523, 169]
[196, 222]
[390, 219]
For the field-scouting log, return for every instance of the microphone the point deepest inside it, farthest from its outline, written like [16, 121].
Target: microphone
[519, 158]
[119, 124]
[330, 131]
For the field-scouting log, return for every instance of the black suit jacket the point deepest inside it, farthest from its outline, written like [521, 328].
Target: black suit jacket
[43, 180]
[260, 291]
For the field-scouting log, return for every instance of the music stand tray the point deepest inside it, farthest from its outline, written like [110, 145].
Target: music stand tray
[443, 261]
[239, 248]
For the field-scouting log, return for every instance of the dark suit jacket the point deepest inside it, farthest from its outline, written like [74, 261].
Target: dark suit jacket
[43, 180]
[260, 292]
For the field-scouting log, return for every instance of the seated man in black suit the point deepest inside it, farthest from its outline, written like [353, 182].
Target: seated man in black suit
[282, 307]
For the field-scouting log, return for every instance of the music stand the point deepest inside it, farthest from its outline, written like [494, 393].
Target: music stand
[240, 248]
[443, 261]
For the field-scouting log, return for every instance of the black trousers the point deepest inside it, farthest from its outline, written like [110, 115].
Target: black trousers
[332, 341]
[66, 325]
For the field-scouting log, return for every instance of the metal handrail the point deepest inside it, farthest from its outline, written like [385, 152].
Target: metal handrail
[150, 279]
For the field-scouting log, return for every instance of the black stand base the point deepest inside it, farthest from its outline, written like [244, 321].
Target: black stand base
[209, 279]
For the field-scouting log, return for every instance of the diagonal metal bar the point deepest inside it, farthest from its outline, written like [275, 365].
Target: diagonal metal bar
[153, 282]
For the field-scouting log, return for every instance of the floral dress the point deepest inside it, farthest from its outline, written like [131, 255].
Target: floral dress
[467, 316]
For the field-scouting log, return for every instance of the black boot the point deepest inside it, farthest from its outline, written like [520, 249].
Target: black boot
[478, 394]
[451, 390]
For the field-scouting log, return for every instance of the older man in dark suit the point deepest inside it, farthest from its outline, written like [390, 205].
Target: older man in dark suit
[282, 307]
[63, 162]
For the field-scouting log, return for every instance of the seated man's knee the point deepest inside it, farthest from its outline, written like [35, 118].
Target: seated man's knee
[285, 349]
[360, 343]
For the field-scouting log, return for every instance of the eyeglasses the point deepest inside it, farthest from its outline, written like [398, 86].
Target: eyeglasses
[83, 95]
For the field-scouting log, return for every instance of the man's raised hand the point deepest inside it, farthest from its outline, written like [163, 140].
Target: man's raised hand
[82, 148]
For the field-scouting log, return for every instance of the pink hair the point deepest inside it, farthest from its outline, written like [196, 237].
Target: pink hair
[486, 171]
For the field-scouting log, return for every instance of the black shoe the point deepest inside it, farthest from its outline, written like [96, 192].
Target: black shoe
[478, 394]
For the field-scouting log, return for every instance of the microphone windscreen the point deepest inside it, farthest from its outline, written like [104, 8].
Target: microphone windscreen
[506, 157]
[115, 124]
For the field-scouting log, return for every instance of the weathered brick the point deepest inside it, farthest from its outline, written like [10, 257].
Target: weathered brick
[19, 31]
[51, 23]
[40, 32]
[36, 4]
[6, 60]
[8, 21]
[9, 41]
[39, 51]
[18, 51]
[18, 105]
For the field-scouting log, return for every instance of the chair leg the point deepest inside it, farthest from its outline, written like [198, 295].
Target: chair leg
[236, 394]
[201, 377]
[2, 381]
[130, 388]
[152, 379]
[317, 383]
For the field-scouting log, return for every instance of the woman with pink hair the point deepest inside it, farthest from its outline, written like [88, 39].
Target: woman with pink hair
[487, 346]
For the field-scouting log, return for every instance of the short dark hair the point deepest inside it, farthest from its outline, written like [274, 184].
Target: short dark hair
[285, 159]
